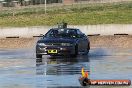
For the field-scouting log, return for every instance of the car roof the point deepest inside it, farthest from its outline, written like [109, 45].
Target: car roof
[65, 28]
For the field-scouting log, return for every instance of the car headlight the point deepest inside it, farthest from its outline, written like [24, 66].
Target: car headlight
[66, 44]
[41, 44]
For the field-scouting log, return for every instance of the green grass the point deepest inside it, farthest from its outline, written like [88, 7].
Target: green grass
[112, 13]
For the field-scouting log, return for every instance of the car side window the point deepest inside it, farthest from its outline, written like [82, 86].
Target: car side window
[79, 32]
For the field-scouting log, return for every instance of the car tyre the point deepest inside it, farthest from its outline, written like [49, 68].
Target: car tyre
[38, 56]
[76, 51]
[87, 50]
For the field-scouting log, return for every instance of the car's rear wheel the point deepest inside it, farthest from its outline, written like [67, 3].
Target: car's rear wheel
[38, 56]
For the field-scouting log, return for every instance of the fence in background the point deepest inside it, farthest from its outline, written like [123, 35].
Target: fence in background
[109, 29]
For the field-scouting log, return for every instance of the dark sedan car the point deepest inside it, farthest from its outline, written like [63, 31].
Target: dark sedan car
[65, 41]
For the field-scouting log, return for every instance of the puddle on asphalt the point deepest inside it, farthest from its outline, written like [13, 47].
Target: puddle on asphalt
[19, 68]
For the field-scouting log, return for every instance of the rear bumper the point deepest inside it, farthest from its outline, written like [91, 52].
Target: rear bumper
[61, 50]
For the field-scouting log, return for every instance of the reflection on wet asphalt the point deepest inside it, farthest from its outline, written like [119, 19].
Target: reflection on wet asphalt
[20, 69]
[61, 71]
[62, 65]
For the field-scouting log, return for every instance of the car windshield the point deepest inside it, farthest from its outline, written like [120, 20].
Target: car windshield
[72, 33]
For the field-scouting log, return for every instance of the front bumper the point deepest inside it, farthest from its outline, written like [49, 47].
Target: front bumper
[59, 50]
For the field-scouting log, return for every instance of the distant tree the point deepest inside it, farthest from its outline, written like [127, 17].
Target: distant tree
[21, 2]
[8, 0]
[54, 1]
[43, 1]
[33, 2]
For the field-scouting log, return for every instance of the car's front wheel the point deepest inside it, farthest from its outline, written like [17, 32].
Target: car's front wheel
[76, 51]
[87, 50]
[38, 56]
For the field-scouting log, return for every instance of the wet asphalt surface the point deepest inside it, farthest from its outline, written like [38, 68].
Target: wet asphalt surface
[20, 69]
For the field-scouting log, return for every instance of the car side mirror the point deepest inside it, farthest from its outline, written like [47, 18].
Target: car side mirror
[82, 35]
[41, 35]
